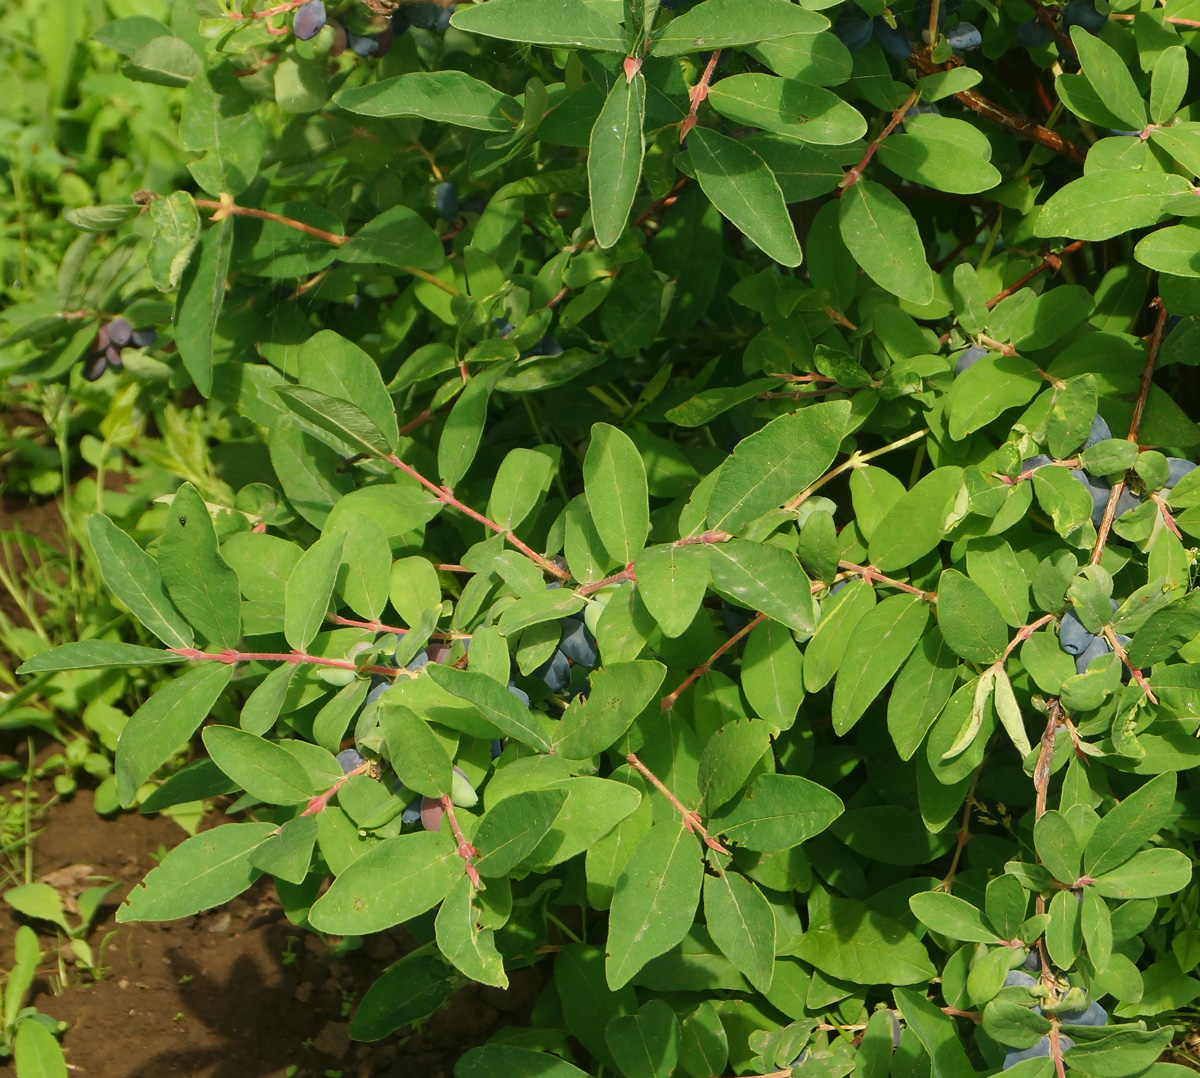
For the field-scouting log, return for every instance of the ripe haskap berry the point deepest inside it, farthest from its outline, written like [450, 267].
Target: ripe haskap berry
[426, 15]
[442, 23]
[1098, 433]
[431, 813]
[503, 326]
[519, 693]
[497, 747]
[308, 20]
[1031, 34]
[378, 689]
[577, 643]
[1018, 977]
[555, 672]
[1099, 646]
[418, 661]
[1083, 13]
[894, 40]
[94, 367]
[1127, 501]
[446, 198]
[1031, 464]
[735, 618]
[113, 355]
[1038, 1051]
[349, 759]
[1073, 638]
[1177, 468]
[968, 358]
[144, 338]
[1033, 962]
[1097, 488]
[963, 37]
[853, 27]
[120, 332]
[1092, 1015]
[412, 813]
[363, 46]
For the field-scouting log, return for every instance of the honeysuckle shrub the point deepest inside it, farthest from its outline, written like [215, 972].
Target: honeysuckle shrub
[699, 497]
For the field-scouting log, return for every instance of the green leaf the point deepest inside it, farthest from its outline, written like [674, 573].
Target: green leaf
[1109, 75]
[1129, 825]
[937, 1033]
[288, 855]
[206, 870]
[417, 754]
[614, 479]
[338, 368]
[1174, 249]
[38, 900]
[341, 418]
[1168, 84]
[655, 900]
[164, 61]
[176, 236]
[391, 883]
[462, 941]
[773, 674]
[857, 944]
[742, 923]
[786, 107]
[511, 1061]
[406, 992]
[764, 578]
[942, 153]
[198, 306]
[968, 619]
[1148, 874]
[951, 916]
[1105, 204]
[494, 702]
[512, 829]
[261, 768]
[839, 619]
[1127, 1051]
[220, 122]
[521, 481]
[163, 724]
[881, 234]
[542, 22]
[92, 654]
[671, 581]
[990, 387]
[615, 157]
[1057, 846]
[199, 580]
[917, 522]
[920, 692]
[776, 463]
[448, 97]
[619, 693]
[36, 1054]
[741, 185]
[464, 425]
[309, 589]
[777, 812]
[719, 24]
[646, 1044]
[364, 572]
[262, 707]
[397, 237]
[729, 757]
[882, 640]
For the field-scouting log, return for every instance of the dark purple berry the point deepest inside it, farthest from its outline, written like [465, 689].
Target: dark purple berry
[1098, 433]
[968, 358]
[1099, 646]
[349, 759]
[308, 20]
[1033, 961]
[144, 338]
[1031, 34]
[94, 367]
[1127, 501]
[418, 661]
[113, 355]
[1097, 488]
[735, 618]
[378, 689]
[426, 15]
[363, 46]
[1083, 13]
[446, 198]
[853, 27]
[119, 332]
[442, 23]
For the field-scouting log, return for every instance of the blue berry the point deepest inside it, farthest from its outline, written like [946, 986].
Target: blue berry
[894, 40]
[853, 27]
[120, 332]
[446, 198]
[1099, 646]
[503, 326]
[349, 759]
[1030, 464]
[1098, 433]
[426, 15]
[577, 643]
[963, 37]
[555, 672]
[497, 747]
[1097, 488]
[1018, 977]
[144, 338]
[94, 367]
[1083, 13]
[968, 358]
[412, 813]
[1177, 468]
[378, 689]
[1127, 501]
[1073, 638]
[735, 618]
[1033, 961]
[519, 693]
[442, 23]
[363, 46]
[1031, 34]
[418, 661]
[308, 20]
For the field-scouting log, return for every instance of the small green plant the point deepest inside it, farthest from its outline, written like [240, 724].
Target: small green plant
[42, 902]
[27, 1036]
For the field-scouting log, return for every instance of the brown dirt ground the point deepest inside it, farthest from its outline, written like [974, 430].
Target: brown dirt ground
[236, 992]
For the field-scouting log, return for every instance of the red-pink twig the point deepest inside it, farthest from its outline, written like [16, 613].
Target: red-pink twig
[874, 576]
[1111, 636]
[319, 803]
[465, 850]
[230, 657]
[855, 174]
[669, 700]
[697, 94]
[691, 820]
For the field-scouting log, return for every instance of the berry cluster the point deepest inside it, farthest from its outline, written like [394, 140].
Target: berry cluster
[363, 34]
[110, 339]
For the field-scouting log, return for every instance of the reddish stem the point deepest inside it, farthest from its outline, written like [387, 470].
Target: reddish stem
[855, 174]
[321, 801]
[465, 850]
[691, 820]
[1023, 634]
[229, 657]
[446, 497]
[279, 9]
[227, 208]
[1050, 262]
[873, 575]
[697, 94]
[703, 668]
[1111, 636]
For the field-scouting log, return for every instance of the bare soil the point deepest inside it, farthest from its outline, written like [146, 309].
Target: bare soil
[236, 992]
